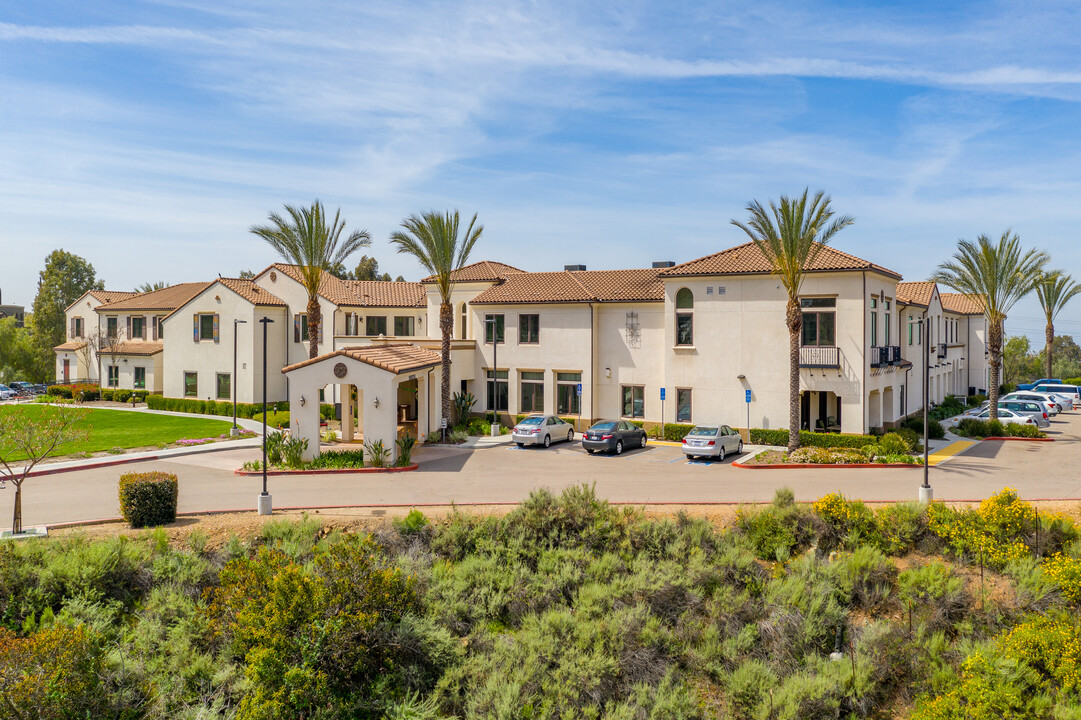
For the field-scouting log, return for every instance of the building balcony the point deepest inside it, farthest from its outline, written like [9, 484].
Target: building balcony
[819, 356]
[885, 355]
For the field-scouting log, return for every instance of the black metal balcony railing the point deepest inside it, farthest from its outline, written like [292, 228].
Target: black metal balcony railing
[816, 356]
[883, 355]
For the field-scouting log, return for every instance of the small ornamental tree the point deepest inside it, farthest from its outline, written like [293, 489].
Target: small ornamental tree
[29, 440]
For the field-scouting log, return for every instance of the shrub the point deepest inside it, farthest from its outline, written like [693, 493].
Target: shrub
[405, 448]
[412, 524]
[674, 432]
[122, 396]
[864, 577]
[828, 456]
[378, 453]
[63, 391]
[902, 526]
[336, 460]
[148, 499]
[971, 427]
[274, 419]
[775, 532]
[107, 394]
[809, 439]
[893, 444]
[202, 407]
[996, 532]
[844, 521]
[293, 449]
[1065, 572]
[935, 431]
[463, 403]
[933, 592]
[273, 443]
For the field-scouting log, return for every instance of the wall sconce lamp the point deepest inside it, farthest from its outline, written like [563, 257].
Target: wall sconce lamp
[376, 403]
[608, 372]
[303, 402]
[741, 376]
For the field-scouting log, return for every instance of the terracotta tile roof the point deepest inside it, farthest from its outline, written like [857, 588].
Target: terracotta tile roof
[962, 304]
[108, 296]
[135, 347]
[380, 293]
[576, 286]
[168, 299]
[483, 271]
[747, 259]
[396, 358]
[70, 345]
[915, 293]
[251, 292]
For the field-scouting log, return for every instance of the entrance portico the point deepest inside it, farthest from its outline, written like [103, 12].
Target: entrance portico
[382, 375]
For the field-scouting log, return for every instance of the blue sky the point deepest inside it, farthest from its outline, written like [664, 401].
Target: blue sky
[149, 136]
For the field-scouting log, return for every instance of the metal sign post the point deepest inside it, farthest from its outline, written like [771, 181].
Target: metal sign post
[579, 391]
[662, 413]
[748, 401]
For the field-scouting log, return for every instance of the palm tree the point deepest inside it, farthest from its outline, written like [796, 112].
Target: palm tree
[304, 239]
[790, 236]
[1054, 290]
[151, 287]
[433, 240]
[999, 274]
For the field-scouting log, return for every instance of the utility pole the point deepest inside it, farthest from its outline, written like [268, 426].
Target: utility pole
[264, 502]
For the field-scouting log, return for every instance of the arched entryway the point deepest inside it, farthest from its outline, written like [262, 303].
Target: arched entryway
[391, 383]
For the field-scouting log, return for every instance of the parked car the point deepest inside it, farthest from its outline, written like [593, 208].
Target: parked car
[1069, 391]
[613, 436]
[1063, 402]
[1036, 411]
[1004, 415]
[711, 441]
[542, 430]
[24, 389]
[1050, 406]
[1042, 381]
[6, 393]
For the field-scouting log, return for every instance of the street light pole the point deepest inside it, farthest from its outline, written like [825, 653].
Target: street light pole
[264, 502]
[926, 494]
[232, 381]
[491, 322]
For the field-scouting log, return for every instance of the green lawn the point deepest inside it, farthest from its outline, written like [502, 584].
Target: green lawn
[122, 429]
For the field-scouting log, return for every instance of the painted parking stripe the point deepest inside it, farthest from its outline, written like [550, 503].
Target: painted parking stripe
[943, 454]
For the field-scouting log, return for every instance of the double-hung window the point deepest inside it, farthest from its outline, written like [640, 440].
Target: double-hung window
[634, 401]
[568, 401]
[528, 329]
[819, 321]
[403, 325]
[532, 392]
[498, 389]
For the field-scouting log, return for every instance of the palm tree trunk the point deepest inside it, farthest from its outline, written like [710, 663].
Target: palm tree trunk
[446, 327]
[794, 319]
[1049, 336]
[994, 353]
[315, 319]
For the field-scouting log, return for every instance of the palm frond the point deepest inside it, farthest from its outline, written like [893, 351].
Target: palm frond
[433, 239]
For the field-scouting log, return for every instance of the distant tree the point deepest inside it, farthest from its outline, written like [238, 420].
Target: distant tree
[247, 275]
[432, 238]
[1067, 359]
[304, 239]
[1017, 360]
[29, 440]
[151, 287]
[999, 273]
[16, 353]
[790, 236]
[366, 269]
[1054, 290]
[63, 281]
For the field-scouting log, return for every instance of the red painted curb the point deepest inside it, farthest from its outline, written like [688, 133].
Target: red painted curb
[794, 466]
[1019, 439]
[328, 471]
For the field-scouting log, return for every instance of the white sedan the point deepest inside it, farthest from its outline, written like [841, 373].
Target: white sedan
[711, 441]
[542, 430]
[1004, 415]
[1051, 407]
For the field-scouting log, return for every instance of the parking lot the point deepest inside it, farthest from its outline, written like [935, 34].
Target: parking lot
[506, 474]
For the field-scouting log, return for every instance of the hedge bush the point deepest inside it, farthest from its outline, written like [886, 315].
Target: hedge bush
[224, 407]
[810, 439]
[148, 499]
[107, 394]
[674, 432]
[274, 419]
[973, 428]
[89, 391]
[935, 431]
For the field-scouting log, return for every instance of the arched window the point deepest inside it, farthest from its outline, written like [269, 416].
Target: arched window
[464, 332]
[684, 317]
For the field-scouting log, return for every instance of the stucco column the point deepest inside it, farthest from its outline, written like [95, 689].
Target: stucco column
[304, 417]
[422, 407]
[347, 413]
[381, 423]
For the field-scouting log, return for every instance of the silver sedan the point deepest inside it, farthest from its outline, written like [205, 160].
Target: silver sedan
[711, 441]
[542, 430]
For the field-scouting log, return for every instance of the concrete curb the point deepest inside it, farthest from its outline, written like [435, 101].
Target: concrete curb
[812, 466]
[1020, 439]
[329, 471]
[136, 457]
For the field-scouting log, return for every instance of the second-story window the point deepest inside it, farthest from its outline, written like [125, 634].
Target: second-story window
[463, 331]
[110, 327]
[138, 327]
[684, 317]
[352, 324]
[493, 328]
[77, 327]
[375, 325]
[886, 322]
[874, 322]
[528, 329]
[819, 321]
[403, 325]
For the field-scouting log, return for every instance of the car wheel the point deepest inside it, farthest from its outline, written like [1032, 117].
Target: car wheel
[589, 451]
[521, 445]
[690, 458]
[619, 447]
[570, 435]
[547, 440]
[739, 448]
[720, 453]
[643, 441]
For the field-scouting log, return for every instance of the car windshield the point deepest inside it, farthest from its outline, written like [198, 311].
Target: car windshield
[701, 430]
[531, 421]
[604, 426]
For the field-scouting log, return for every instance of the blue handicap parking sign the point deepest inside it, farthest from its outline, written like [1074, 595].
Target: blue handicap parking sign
[748, 396]
[662, 393]
[579, 389]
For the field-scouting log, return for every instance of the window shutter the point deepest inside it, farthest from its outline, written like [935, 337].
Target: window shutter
[71, 327]
[128, 327]
[322, 322]
[143, 334]
[296, 328]
[215, 327]
[195, 327]
[154, 328]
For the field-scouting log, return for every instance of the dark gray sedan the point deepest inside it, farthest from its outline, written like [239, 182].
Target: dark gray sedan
[613, 436]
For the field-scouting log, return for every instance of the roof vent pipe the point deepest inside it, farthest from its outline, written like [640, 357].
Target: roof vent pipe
[658, 264]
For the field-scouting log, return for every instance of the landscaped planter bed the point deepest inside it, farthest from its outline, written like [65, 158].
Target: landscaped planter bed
[327, 471]
[775, 459]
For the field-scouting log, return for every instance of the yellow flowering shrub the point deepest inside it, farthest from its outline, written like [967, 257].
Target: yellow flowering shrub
[996, 531]
[1049, 645]
[1065, 571]
[845, 520]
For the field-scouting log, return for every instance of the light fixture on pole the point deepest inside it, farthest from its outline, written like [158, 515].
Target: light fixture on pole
[232, 381]
[264, 503]
[926, 494]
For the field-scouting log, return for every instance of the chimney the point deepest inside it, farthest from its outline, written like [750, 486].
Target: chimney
[660, 264]
[574, 268]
